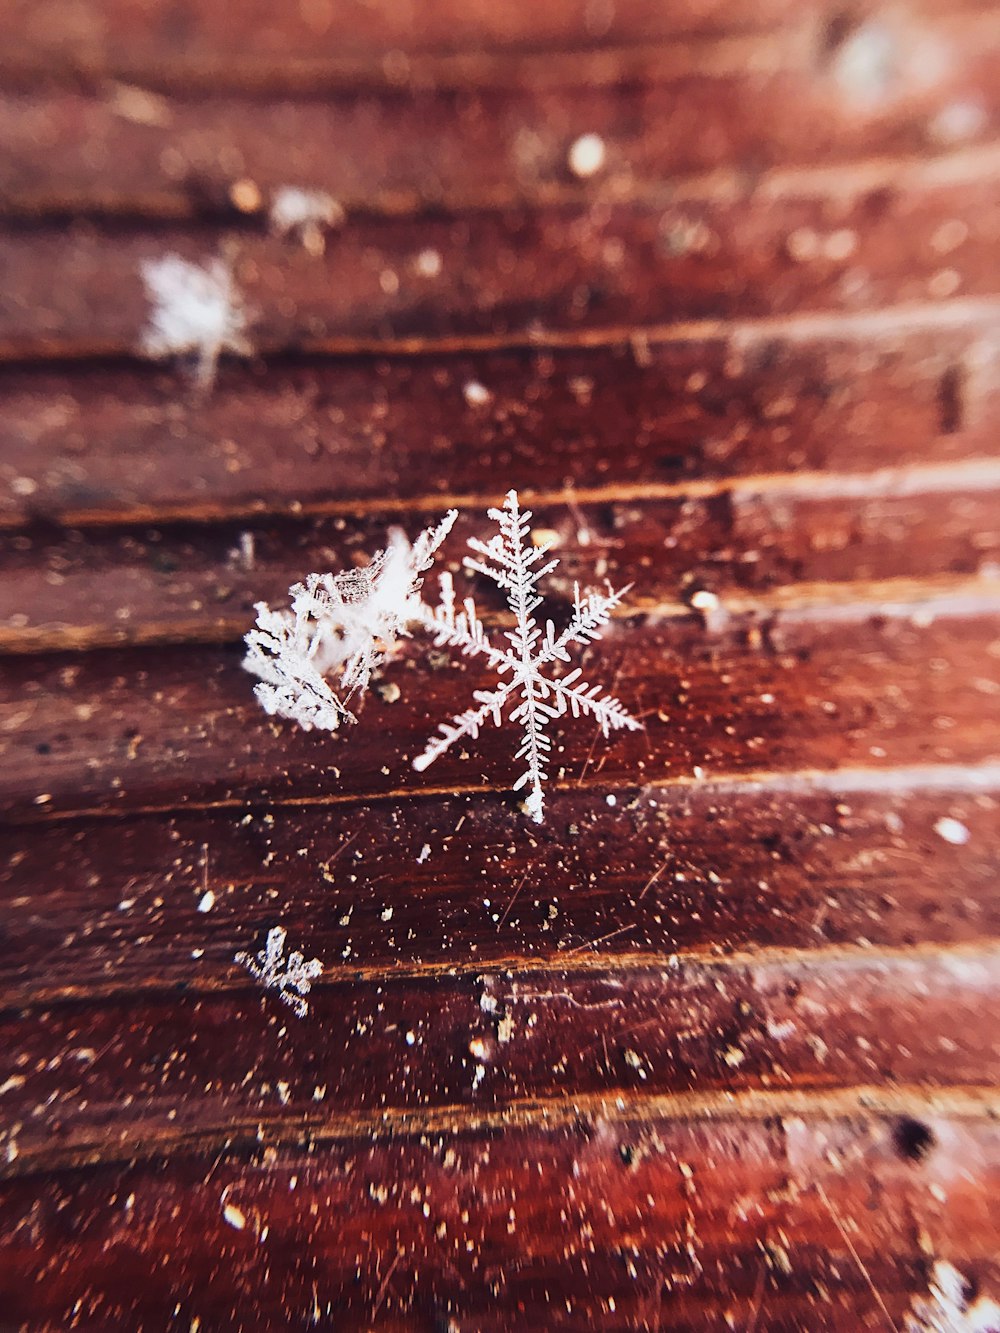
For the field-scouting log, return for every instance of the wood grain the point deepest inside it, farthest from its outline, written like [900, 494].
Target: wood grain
[714, 1047]
[390, 43]
[744, 870]
[117, 731]
[760, 548]
[112, 442]
[377, 1229]
[124, 150]
[517, 275]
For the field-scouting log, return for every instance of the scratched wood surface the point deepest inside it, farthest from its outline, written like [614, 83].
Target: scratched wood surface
[717, 1046]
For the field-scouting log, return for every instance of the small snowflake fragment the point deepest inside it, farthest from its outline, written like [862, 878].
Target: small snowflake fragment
[196, 310]
[307, 214]
[948, 1308]
[344, 623]
[511, 561]
[291, 977]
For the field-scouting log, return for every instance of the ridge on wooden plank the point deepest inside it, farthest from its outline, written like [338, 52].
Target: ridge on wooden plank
[458, 1226]
[757, 547]
[116, 30]
[167, 727]
[385, 42]
[734, 873]
[127, 443]
[125, 151]
[927, 1022]
[80, 292]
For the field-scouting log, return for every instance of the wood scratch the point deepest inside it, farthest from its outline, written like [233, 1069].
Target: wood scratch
[856, 1257]
[511, 903]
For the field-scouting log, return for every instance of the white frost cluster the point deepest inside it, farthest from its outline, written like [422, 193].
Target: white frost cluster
[338, 624]
[196, 311]
[523, 663]
[947, 1309]
[307, 214]
[346, 624]
[291, 977]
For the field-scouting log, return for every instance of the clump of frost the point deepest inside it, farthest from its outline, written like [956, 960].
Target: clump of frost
[197, 312]
[341, 624]
[947, 1309]
[291, 977]
[307, 214]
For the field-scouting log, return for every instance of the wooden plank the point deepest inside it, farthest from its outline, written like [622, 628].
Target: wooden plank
[758, 548]
[167, 726]
[125, 151]
[457, 1228]
[109, 35]
[389, 41]
[122, 443]
[715, 870]
[366, 1049]
[524, 275]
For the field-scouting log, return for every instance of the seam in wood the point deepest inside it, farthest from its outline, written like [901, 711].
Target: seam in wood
[801, 603]
[906, 317]
[236, 1138]
[522, 967]
[984, 776]
[980, 473]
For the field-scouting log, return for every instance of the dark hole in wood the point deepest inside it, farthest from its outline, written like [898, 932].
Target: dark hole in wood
[913, 1139]
[950, 401]
[839, 27]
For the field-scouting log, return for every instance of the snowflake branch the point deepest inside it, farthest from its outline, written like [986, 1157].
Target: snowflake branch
[469, 723]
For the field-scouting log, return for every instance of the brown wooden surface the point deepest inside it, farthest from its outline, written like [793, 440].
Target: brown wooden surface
[717, 1046]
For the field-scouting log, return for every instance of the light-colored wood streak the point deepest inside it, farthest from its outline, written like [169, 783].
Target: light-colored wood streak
[138, 1142]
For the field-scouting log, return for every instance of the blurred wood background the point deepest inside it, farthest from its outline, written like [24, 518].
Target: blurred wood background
[718, 1045]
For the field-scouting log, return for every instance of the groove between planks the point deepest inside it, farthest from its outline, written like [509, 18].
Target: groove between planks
[970, 1103]
[517, 968]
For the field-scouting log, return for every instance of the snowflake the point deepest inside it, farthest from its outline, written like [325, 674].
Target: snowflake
[196, 310]
[291, 977]
[948, 1309]
[306, 214]
[512, 563]
[343, 623]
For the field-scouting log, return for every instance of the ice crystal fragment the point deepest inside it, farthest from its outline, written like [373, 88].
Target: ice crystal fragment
[291, 977]
[532, 694]
[948, 1309]
[338, 623]
[196, 311]
[307, 214]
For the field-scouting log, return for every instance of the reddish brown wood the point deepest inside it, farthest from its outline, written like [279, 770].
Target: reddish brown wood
[181, 157]
[110, 442]
[715, 870]
[166, 726]
[111, 35]
[517, 275]
[385, 40]
[759, 548]
[716, 1045]
[698, 1222]
[372, 1049]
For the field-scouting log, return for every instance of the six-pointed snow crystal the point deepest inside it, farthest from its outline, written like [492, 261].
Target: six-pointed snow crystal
[291, 977]
[533, 694]
[196, 311]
